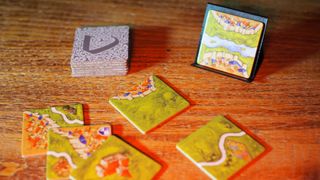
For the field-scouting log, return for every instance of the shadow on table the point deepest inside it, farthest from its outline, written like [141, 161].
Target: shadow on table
[86, 114]
[266, 146]
[288, 40]
[142, 148]
[191, 102]
[148, 47]
[312, 173]
[117, 129]
[286, 47]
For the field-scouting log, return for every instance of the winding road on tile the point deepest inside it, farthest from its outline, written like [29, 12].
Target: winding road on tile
[62, 154]
[53, 109]
[222, 149]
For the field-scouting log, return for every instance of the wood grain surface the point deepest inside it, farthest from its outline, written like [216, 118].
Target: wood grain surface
[281, 105]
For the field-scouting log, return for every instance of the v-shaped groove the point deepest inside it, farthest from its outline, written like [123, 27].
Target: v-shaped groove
[86, 45]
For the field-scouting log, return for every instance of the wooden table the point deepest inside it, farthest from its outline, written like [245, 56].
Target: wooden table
[281, 106]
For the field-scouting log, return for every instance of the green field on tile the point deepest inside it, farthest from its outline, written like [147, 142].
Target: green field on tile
[149, 111]
[58, 118]
[245, 60]
[58, 143]
[140, 166]
[213, 28]
[202, 146]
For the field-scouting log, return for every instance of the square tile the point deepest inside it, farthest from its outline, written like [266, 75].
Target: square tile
[37, 122]
[149, 104]
[221, 148]
[104, 46]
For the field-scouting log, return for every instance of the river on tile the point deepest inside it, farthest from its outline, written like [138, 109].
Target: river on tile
[215, 41]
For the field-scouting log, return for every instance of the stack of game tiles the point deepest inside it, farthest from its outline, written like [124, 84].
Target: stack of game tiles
[100, 51]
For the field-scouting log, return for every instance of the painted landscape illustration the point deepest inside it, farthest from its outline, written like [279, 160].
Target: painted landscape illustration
[220, 148]
[229, 43]
[149, 103]
[91, 152]
[36, 124]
